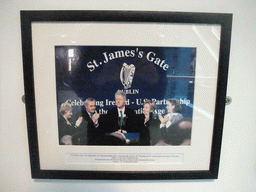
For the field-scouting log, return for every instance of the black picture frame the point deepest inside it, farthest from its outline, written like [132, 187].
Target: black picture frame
[29, 17]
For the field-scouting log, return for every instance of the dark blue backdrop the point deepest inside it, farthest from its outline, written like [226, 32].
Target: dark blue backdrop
[96, 70]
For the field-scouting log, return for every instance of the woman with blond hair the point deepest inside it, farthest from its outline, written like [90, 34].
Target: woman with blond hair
[68, 131]
[151, 123]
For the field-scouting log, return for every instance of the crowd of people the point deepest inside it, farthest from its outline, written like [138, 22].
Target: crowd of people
[122, 126]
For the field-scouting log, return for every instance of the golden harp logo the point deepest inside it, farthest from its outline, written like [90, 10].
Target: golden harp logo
[127, 74]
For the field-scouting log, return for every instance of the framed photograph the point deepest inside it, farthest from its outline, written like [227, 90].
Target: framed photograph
[125, 94]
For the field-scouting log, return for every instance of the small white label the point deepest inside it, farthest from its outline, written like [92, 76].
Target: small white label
[84, 158]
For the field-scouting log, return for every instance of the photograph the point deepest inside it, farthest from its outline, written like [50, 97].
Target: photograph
[125, 95]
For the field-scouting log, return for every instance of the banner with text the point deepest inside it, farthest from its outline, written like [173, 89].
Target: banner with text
[155, 73]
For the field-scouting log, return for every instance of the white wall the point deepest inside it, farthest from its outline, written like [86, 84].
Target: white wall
[238, 154]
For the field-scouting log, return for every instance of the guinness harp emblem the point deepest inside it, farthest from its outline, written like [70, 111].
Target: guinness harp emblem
[126, 75]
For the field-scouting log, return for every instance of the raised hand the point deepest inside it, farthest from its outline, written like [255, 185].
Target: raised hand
[163, 119]
[95, 117]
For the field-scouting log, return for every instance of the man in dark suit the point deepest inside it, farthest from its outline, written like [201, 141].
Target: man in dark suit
[90, 125]
[120, 118]
[124, 120]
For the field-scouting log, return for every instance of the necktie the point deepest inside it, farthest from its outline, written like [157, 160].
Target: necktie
[121, 118]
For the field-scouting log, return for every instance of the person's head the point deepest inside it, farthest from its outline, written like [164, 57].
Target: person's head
[173, 106]
[148, 107]
[120, 98]
[66, 140]
[180, 132]
[115, 138]
[185, 124]
[90, 105]
[66, 110]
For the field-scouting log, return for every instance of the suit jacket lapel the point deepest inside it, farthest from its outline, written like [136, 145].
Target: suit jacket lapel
[87, 117]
